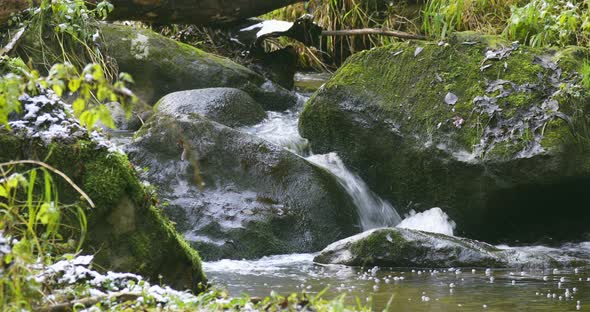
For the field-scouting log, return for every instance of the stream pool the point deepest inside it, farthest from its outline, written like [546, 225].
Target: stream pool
[411, 289]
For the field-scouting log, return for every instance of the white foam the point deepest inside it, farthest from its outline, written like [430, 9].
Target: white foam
[259, 266]
[433, 220]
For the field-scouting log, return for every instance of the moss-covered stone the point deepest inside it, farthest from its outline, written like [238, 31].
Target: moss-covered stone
[395, 247]
[125, 231]
[462, 126]
[160, 65]
[234, 195]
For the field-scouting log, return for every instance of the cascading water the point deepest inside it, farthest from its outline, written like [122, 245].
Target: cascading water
[281, 129]
[373, 211]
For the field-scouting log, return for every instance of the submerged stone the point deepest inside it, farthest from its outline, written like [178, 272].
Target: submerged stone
[490, 131]
[237, 196]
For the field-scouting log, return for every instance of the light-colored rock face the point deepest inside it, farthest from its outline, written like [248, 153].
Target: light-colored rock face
[394, 247]
[140, 47]
[473, 127]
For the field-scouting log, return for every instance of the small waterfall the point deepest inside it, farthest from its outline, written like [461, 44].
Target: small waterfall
[373, 211]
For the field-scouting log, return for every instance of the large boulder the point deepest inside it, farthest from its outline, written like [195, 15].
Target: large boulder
[125, 232]
[494, 133]
[396, 247]
[227, 106]
[237, 196]
[160, 65]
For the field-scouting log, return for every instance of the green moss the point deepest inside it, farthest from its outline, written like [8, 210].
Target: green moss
[110, 177]
[411, 89]
[125, 232]
[384, 112]
[380, 242]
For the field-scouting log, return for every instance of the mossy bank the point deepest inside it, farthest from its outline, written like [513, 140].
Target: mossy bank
[126, 232]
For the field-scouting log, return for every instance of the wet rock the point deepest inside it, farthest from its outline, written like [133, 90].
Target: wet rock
[230, 107]
[160, 65]
[396, 247]
[125, 231]
[237, 196]
[498, 148]
[278, 66]
[393, 247]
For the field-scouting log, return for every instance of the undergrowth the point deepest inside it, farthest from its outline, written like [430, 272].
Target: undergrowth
[550, 23]
[32, 230]
[64, 31]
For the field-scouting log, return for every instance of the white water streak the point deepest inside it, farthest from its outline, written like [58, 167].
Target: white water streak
[373, 211]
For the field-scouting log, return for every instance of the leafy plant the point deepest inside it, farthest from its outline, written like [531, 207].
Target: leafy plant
[550, 22]
[65, 31]
[30, 236]
[91, 89]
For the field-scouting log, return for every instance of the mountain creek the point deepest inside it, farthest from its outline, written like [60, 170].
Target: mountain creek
[526, 286]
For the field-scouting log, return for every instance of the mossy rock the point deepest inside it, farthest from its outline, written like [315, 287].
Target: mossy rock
[227, 106]
[237, 196]
[160, 65]
[397, 247]
[493, 133]
[393, 247]
[125, 231]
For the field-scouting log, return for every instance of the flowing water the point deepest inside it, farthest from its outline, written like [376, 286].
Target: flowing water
[373, 211]
[444, 289]
[410, 289]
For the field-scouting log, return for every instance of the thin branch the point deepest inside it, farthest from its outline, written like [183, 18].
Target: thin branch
[61, 174]
[7, 48]
[89, 301]
[372, 31]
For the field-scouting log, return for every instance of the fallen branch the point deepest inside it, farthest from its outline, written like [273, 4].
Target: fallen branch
[89, 301]
[198, 12]
[372, 31]
[8, 47]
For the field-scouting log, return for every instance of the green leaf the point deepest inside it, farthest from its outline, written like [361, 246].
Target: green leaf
[3, 192]
[78, 105]
[89, 118]
[57, 89]
[74, 85]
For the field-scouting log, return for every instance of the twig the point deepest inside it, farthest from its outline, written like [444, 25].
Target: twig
[89, 301]
[372, 31]
[7, 48]
[61, 174]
